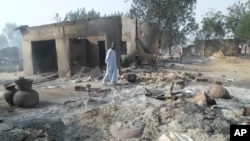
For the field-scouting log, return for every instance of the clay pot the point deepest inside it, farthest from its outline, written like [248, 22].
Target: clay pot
[218, 91]
[24, 84]
[9, 93]
[26, 99]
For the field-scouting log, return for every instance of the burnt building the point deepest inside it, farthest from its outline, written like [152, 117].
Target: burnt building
[63, 46]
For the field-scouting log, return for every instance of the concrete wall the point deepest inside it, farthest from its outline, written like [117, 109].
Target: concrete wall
[109, 27]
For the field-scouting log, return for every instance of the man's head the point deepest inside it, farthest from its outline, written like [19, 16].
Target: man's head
[113, 45]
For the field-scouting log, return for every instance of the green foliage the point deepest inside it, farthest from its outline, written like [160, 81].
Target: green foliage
[235, 14]
[213, 26]
[81, 14]
[175, 18]
[243, 29]
[118, 13]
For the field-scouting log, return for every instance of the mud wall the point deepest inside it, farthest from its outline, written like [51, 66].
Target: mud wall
[129, 36]
[207, 48]
[147, 43]
[141, 39]
[109, 27]
[148, 37]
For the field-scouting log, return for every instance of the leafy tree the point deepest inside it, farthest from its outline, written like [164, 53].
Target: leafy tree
[213, 26]
[235, 14]
[81, 14]
[175, 18]
[118, 13]
[242, 31]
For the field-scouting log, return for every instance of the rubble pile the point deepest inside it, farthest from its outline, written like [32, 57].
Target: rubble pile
[149, 104]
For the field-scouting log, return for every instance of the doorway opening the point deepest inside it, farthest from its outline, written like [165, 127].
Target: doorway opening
[102, 53]
[44, 56]
[78, 55]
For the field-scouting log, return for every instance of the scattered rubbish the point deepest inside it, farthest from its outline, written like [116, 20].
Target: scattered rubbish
[80, 88]
[53, 87]
[203, 100]
[77, 81]
[133, 132]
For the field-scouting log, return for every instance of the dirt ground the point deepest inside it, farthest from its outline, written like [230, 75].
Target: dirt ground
[66, 114]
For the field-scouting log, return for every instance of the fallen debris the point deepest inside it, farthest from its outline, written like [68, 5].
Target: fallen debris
[203, 100]
[246, 111]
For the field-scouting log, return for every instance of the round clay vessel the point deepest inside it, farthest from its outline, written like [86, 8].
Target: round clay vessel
[24, 84]
[9, 93]
[218, 91]
[26, 99]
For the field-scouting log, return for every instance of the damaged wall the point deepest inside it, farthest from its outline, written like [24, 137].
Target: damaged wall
[128, 37]
[229, 47]
[131, 39]
[141, 39]
[147, 45]
[109, 28]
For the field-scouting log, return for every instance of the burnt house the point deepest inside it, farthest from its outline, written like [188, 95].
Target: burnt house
[63, 46]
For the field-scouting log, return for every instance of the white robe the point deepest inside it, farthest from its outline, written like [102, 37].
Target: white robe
[111, 67]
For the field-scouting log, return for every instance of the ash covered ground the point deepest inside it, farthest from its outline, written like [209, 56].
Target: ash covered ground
[139, 111]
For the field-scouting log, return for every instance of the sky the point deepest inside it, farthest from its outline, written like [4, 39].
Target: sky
[39, 12]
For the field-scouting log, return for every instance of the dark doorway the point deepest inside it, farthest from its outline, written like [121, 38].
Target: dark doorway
[78, 55]
[44, 56]
[102, 53]
[78, 52]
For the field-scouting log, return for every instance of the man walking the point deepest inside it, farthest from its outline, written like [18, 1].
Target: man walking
[111, 67]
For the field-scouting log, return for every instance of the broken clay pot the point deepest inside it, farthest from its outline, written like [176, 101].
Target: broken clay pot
[203, 100]
[218, 91]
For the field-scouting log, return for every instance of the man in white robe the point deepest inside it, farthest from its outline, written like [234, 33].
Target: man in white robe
[111, 67]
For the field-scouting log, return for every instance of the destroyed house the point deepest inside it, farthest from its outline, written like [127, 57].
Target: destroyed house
[63, 46]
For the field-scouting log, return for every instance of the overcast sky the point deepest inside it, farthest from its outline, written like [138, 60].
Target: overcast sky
[38, 12]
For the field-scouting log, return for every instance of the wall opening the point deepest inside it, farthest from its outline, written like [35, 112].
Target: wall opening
[78, 54]
[102, 53]
[44, 56]
[124, 48]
